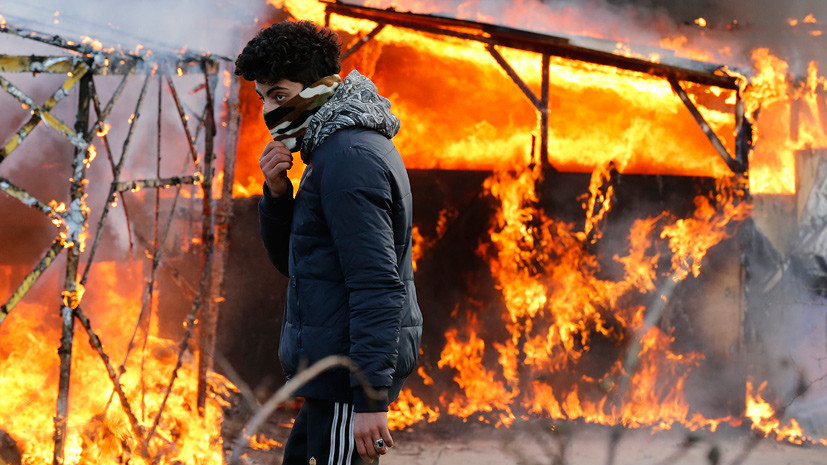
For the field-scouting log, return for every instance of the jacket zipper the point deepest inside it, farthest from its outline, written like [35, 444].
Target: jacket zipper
[298, 311]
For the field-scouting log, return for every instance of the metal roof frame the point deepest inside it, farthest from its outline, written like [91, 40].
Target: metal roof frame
[492, 36]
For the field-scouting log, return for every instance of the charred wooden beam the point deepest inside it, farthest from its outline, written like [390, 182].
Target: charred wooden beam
[95, 342]
[136, 185]
[106, 61]
[795, 118]
[76, 139]
[209, 320]
[24, 197]
[530, 41]
[31, 278]
[735, 165]
[49, 39]
[361, 42]
[116, 176]
[183, 116]
[72, 293]
[821, 100]
[223, 212]
[63, 64]
[74, 76]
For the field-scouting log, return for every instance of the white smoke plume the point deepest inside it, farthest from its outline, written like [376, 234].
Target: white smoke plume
[199, 25]
[728, 31]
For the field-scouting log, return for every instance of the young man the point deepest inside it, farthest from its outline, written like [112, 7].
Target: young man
[344, 241]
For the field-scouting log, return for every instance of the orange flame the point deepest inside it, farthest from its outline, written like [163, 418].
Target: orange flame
[764, 418]
[557, 306]
[96, 44]
[97, 434]
[104, 130]
[408, 410]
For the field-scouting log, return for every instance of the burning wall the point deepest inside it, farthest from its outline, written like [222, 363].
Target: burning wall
[134, 392]
[535, 282]
[533, 287]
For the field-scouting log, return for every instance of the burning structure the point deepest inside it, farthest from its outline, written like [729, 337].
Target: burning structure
[133, 402]
[601, 230]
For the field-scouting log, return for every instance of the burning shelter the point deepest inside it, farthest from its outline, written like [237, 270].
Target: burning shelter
[601, 230]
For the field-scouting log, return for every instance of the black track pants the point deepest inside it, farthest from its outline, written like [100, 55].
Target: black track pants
[322, 435]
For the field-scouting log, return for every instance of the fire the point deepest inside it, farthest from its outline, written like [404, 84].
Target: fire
[773, 161]
[691, 238]
[408, 410]
[103, 130]
[93, 152]
[557, 305]
[482, 393]
[765, 419]
[582, 97]
[595, 110]
[96, 44]
[98, 430]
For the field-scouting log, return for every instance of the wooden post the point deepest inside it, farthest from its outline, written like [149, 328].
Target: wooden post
[205, 329]
[223, 215]
[70, 298]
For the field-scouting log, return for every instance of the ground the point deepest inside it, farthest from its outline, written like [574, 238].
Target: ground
[536, 443]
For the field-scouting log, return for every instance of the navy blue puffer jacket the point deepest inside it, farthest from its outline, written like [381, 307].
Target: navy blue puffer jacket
[345, 244]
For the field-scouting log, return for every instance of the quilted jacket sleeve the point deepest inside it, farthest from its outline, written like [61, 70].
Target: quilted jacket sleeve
[357, 200]
[276, 217]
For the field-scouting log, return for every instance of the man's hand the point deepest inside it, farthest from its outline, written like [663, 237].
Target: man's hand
[367, 428]
[274, 161]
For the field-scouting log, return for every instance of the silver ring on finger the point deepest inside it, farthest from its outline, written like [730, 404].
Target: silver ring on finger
[379, 443]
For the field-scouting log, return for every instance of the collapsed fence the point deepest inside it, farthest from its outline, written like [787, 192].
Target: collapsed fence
[82, 63]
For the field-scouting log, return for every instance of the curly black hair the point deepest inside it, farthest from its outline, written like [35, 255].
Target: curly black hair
[299, 51]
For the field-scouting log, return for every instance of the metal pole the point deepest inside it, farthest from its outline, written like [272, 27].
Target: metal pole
[544, 113]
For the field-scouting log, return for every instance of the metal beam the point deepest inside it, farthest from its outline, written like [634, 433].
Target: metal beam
[735, 165]
[359, 43]
[529, 41]
[515, 77]
[544, 99]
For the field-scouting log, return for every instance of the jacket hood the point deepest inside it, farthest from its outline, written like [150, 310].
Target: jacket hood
[356, 103]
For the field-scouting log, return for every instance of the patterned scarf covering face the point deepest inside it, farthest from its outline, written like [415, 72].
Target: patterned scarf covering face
[288, 122]
[356, 103]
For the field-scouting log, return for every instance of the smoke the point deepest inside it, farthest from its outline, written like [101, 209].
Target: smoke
[728, 34]
[42, 163]
[200, 25]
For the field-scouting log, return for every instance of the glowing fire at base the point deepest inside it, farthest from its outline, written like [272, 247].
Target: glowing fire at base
[98, 430]
[557, 303]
